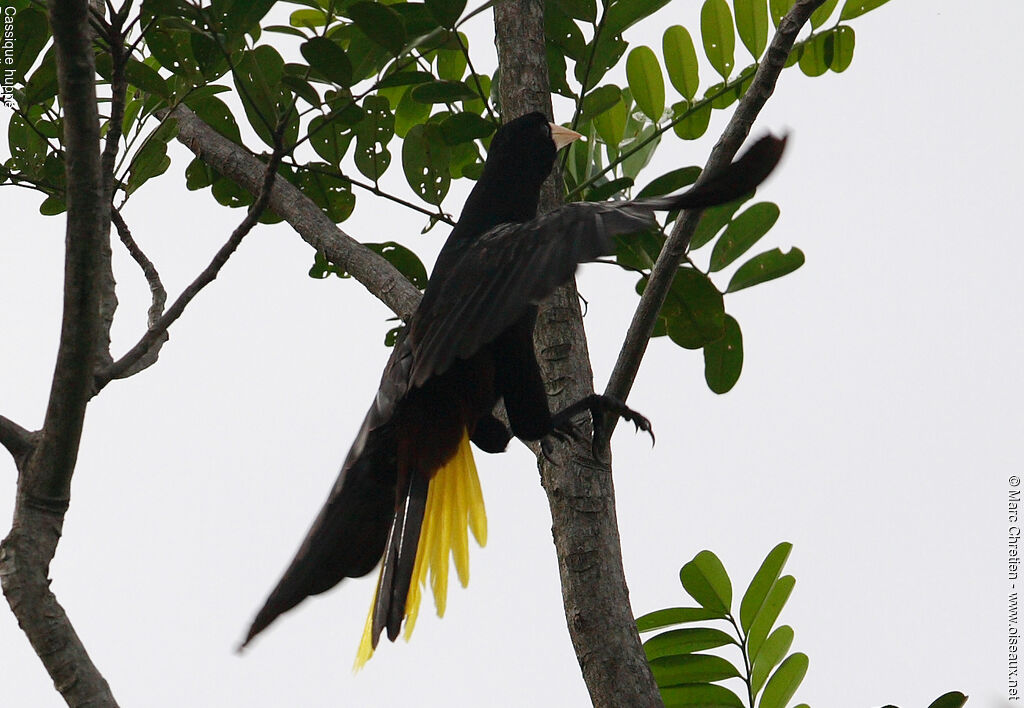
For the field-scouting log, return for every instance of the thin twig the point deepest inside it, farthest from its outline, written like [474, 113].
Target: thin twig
[674, 250]
[156, 287]
[120, 367]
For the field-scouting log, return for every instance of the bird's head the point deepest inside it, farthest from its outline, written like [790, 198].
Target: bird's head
[525, 148]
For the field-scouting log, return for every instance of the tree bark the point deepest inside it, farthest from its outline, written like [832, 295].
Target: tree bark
[44, 478]
[579, 488]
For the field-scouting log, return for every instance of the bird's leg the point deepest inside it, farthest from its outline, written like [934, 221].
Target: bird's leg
[598, 405]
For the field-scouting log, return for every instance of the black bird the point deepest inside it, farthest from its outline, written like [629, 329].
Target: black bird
[408, 488]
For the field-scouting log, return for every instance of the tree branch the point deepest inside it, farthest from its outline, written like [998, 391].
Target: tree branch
[158, 332]
[156, 286]
[580, 492]
[236, 163]
[45, 479]
[15, 438]
[674, 250]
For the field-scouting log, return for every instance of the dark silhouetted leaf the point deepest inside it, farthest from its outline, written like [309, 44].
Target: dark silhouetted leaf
[328, 59]
[953, 699]
[446, 12]
[465, 127]
[670, 182]
[441, 92]
[380, 23]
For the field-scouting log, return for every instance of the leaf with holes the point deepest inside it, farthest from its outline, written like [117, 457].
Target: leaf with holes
[425, 158]
[856, 8]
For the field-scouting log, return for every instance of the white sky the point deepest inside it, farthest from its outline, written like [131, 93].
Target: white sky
[874, 425]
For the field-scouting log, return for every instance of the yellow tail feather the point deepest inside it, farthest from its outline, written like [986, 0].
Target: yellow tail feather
[455, 505]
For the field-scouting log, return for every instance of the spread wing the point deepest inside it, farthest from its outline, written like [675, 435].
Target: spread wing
[506, 270]
[515, 265]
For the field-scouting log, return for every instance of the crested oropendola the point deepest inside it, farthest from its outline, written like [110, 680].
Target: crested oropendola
[408, 488]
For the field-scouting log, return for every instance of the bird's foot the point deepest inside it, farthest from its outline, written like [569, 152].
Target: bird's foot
[599, 406]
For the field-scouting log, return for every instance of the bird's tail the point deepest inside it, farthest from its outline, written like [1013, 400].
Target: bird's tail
[435, 521]
[730, 182]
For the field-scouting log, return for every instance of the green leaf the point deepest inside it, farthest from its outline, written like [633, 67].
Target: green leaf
[585, 10]
[622, 15]
[718, 35]
[712, 221]
[425, 158]
[752, 25]
[446, 12]
[694, 122]
[681, 60]
[465, 127]
[28, 149]
[695, 316]
[150, 161]
[742, 233]
[330, 191]
[442, 92]
[723, 358]
[410, 112]
[606, 190]
[856, 8]
[764, 578]
[146, 78]
[778, 9]
[821, 15]
[407, 262]
[373, 134]
[705, 579]
[30, 33]
[839, 48]
[565, 35]
[405, 78]
[301, 88]
[685, 641]
[813, 61]
[329, 59]
[646, 82]
[330, 139]
[769, 612]
[632, 165]
[611, 124]
[772, 652]
[606, 54]
[52, 206]
[675, 615]
[670, 182]
[380, 24]
[764, 267]
[699, 695]
[310, 19]
[953, 699]
[217, 114]
[784, 682]
[600, 100]
[198, 175]
[691, 668]
[451, 64]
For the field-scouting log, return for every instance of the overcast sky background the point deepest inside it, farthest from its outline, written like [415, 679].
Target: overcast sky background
[874, 426]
